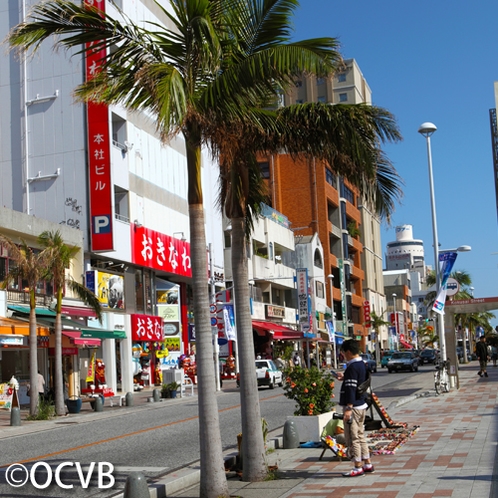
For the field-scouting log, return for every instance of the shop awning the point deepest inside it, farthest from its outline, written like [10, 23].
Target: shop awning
[78, 311]
[25, 310]
[19, 327]
[75, 336]
[405, 344]
[278, 331]
[102, 334]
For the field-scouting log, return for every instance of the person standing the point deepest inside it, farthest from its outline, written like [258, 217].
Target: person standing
[354, 408]
[296, 359]
[482, 356]
[41, 385]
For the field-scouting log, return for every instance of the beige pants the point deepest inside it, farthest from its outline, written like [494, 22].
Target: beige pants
[355, 436]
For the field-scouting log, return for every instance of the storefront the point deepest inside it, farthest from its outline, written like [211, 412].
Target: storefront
[14, 353]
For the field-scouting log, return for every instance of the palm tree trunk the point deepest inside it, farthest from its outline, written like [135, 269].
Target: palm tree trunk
[59, 381]
[213, 483]
[253, 448]
[33, 356]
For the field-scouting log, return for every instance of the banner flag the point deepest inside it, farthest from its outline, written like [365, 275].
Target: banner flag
[446, 262]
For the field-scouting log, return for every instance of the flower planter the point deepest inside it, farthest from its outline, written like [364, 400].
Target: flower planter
[309, 428]
[74, 405]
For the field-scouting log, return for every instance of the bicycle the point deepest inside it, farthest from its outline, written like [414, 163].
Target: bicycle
[441, 379]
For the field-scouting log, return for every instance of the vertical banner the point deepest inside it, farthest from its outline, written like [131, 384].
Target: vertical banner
[366, 314]
[329, 325]
[446, 262]
[229, 319]
[302, 299]
[343, 298]
[99, 157]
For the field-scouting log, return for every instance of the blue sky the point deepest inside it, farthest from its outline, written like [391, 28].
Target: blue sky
[430, 61]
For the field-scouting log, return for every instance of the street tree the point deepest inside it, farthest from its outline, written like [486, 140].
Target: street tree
[59, 256]
[305, 131]
[29, 265]
[189, 77]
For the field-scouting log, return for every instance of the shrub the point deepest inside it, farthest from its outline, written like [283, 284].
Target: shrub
[312, 389]
[46, 411]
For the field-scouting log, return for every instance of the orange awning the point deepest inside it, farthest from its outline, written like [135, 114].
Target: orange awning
[19, 327]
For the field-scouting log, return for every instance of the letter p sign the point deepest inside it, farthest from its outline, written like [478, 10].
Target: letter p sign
[101, 224]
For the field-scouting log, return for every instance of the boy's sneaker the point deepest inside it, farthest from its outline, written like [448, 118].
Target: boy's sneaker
[355, 472]
[479, 373]
[485, 374]
[368, 467]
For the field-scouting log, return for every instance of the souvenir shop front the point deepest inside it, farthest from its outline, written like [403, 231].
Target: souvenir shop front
[14, 353]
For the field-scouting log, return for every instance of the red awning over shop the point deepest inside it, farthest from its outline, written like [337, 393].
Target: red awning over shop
[405, 344]
[78, 311]
[75, 335]
[278, 331]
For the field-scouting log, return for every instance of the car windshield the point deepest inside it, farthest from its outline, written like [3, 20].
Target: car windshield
[397, 356]
[427, 352]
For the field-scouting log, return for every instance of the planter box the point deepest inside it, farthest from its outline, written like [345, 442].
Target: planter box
[309, 428]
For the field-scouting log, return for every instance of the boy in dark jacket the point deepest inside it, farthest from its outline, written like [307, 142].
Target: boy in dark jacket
[354, 408]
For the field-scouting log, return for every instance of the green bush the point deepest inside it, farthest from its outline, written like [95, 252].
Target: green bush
[46, 411]
[310, 388]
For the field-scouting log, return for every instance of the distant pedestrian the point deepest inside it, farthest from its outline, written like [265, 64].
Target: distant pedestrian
[494, 355]
[296, 359]
[41, 385]
[482, 356]
[354, 407]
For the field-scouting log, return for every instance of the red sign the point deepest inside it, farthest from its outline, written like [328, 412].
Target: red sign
[366, 314]
[146, 328]
[99, 158]
[161, 252]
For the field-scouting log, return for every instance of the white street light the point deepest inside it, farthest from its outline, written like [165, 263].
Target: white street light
[395, 318]
[427, 129]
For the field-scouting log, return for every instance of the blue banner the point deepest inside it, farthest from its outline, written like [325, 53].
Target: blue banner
[446, 262]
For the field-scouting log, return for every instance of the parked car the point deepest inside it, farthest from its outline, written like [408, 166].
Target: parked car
[369, 362]
[402, 361]
[385, 358]
[268, 374]
[428, 355]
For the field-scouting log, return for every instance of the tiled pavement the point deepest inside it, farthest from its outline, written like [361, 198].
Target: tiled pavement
[452, 454]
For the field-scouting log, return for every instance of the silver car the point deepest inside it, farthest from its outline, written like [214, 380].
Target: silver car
[402, 361]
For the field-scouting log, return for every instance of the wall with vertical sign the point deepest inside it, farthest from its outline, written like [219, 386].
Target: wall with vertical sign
[99, 160]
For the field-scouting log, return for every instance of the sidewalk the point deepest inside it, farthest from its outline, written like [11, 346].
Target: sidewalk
[452, 454]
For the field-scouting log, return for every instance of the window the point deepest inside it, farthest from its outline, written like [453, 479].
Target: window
[320, 81]
[317, 260]
[319, 290]
[265, 169]
[321, 98]
[270, 246]
[118, 132]
[341, 77]
[299, 101]
[343, 97]
[348, 195]
[121, 205]
[330, 177]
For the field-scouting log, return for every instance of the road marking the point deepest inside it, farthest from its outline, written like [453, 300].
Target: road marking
[122, 436]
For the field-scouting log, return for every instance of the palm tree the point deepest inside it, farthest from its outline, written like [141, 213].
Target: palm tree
[60, 256]
[30, 266]
[219, 58]
[376, 321]
[306, 130]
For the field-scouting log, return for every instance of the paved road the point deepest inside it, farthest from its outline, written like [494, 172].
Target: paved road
[157, 438]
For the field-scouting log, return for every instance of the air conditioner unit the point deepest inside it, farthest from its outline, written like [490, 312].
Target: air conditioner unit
[172, 375]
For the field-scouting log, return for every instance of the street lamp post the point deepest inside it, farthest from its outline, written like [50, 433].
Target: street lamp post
[427, 129]
[395, 318]
[331, 282]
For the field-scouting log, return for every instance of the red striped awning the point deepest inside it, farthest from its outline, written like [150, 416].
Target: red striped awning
[75, 336]
[405, 344]
[78, 311]
[278, 331]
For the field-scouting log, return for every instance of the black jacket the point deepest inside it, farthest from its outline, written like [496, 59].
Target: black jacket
[482, 351]
[355, 374]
